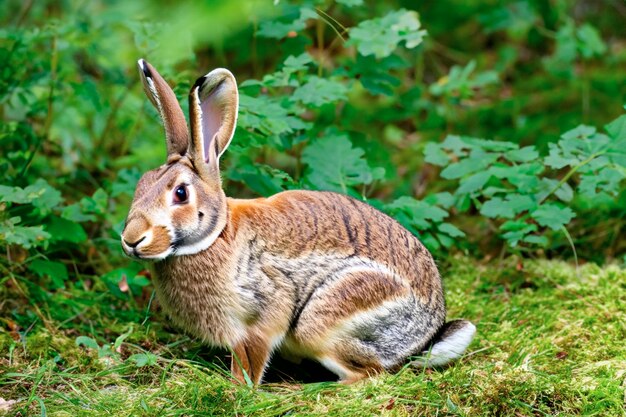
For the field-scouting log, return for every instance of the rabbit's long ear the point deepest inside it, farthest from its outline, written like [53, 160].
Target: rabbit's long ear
[164, 99]
[213, 106]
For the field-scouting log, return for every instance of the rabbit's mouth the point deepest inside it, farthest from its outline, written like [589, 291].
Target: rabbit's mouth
[155, 244]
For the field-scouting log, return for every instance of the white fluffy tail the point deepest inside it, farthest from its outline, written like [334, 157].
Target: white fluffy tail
[449, 344]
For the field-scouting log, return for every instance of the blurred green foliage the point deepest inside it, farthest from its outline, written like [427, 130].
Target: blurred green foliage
[379, 100]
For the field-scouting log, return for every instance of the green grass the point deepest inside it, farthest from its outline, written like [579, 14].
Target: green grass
[550, 342]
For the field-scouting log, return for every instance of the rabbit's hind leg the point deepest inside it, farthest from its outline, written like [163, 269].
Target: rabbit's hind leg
[335, 326]
[374, 340]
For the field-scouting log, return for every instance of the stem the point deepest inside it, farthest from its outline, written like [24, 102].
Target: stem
[28, 5]
[343, 28]
[570, 173]
[571, 243]
[320, 45]
[453, 55]
[546, 32]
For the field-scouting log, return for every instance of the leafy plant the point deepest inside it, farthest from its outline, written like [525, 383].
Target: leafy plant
[426, 219]
[381, 36]
[520, 190]
[33, 217]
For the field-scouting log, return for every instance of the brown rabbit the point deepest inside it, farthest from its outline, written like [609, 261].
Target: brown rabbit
[312, 274]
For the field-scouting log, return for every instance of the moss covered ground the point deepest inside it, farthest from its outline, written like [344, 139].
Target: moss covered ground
[550, 342]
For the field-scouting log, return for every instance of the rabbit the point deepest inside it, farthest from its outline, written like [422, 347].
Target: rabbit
[308, 274]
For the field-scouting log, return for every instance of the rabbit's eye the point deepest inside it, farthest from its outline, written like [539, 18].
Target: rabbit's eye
[180, 194]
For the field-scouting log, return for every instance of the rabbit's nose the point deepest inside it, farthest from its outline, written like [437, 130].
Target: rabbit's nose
[135, 243]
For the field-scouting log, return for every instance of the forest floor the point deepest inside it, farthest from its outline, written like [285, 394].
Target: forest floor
[550, 341]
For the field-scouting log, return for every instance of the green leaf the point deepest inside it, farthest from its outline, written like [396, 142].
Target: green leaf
[508, 207]
[350, 3]
[381, 36]
[88, 209]
[552, 216]
[284, 77]
[334, 165]
[450, 230]
[40, 194]
[577, 145]
[87, 342]
[524, 177]
[496, 207]
[490, 145]
[477, 161]
[525, 154]
[445, 199]
[516, 18]
[97, 203]
[557, 160]
[319, 91]
[590, 42]
[297, 63]
[579, 132]
[64, 230]
[564, 193]
[617, 128]
[376, 75]
[516, 230]
[607, 180]
[267, 116]
[418, 209]
[143, 359]
[24, 236]
[113, 278]
[278, 30]
[125, 182]
[566, 51]
[74, 213]
[473, 183]
[120, 339]
[462, 82]
[136, 282]
[434, 154]
[457, 144]
[55, 270]
[430, 241]
[446, 241]
[536, 240]
[263, 179]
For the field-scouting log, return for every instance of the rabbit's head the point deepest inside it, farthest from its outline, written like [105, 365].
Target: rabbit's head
[180, 207]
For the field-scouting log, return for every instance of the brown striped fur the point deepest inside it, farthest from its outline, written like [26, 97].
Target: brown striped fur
[311, 274]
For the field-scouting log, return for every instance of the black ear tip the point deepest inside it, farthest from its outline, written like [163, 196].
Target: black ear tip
[143, 65]
[199, 82]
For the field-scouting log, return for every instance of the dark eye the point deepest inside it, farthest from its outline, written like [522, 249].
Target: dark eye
[180, 194]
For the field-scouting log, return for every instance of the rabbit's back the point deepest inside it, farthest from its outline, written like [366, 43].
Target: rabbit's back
[312, 230]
